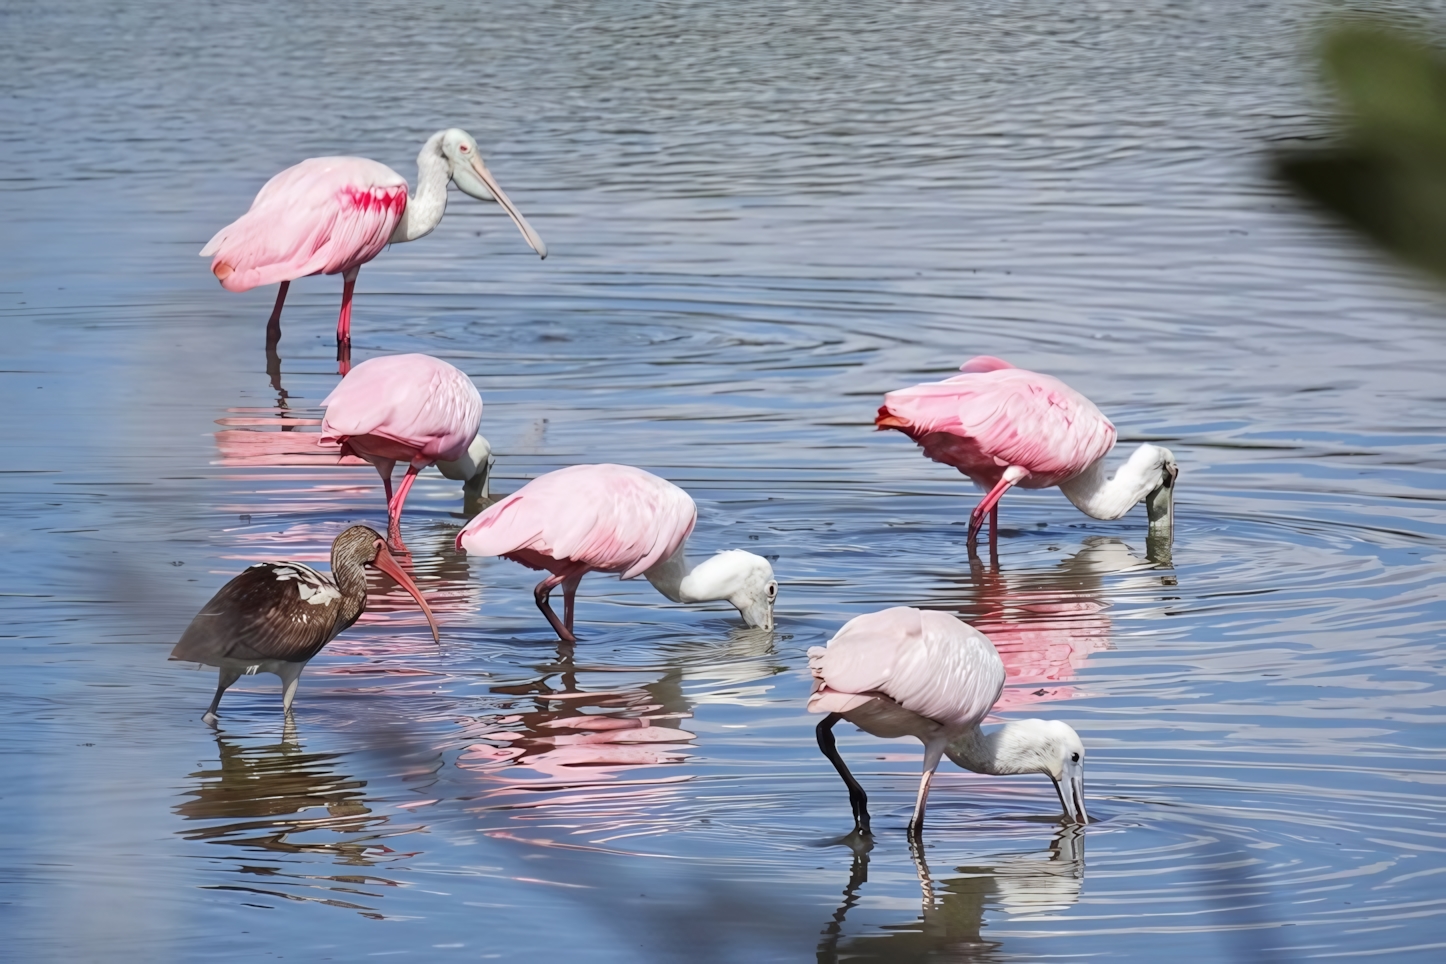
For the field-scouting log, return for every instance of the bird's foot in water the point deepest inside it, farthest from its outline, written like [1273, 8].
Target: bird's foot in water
[209, 718]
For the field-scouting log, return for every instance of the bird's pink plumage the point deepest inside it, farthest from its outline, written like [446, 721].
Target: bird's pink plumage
[930, 663]
[610, 518]
[322, 216]
[417, 400]
[990, 417]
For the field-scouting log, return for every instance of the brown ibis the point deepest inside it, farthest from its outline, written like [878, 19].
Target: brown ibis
[275, 616]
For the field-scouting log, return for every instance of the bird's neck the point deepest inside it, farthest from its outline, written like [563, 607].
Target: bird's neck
[351, 578]
[673, 578]
[1104, 497]
[425, 208]
[683, 583]
[984, 752]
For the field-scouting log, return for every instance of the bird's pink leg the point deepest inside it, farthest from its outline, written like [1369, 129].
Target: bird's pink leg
[569, 596]
[343, 322]
[988, 503]
[273, 326]
[933, 751]
[540, 593]
[394, 508]
[384, 469]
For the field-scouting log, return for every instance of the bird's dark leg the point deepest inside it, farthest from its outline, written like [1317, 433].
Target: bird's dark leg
[394, 509]
[994, 528]
[224, 678]
[858, 800]
[540, 593]
[569, 596]
[343, 321]
[273, 324]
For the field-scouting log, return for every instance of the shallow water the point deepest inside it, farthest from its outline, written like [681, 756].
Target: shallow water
[761, 216]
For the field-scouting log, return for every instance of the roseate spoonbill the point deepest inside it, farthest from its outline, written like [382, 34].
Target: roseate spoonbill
[331, 215]
[275, 616]
[1003, 426]
[415, 409]
[615, 518]
[930, 675]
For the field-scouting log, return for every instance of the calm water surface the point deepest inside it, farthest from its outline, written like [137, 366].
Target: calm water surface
[762, 216]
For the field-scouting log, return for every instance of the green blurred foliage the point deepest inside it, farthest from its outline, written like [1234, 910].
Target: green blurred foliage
[1387, 174]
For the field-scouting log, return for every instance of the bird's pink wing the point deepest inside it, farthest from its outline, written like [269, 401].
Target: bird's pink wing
[323, 216]
[1003, 417]
[610, 517]
[417, 400]
[930, 663]
[984, 363]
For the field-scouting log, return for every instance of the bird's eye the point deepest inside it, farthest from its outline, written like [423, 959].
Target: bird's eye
[1075, 757]
[772, 591]
[463, 148]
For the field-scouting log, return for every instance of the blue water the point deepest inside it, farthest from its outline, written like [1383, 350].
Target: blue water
[761, 217]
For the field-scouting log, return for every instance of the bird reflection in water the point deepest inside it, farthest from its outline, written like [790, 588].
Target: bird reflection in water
[283, 799]
[952, 918]
[595, 758]
[567, 736]
[1046, 624]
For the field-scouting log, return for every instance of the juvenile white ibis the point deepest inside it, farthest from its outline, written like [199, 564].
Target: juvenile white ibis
[1003, 426]
[275, 616]
[932, 676]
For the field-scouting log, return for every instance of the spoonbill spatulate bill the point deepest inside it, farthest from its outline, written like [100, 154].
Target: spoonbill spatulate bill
[275, 616]
[331, 215]
[1003, 426]
[932, 676]
[414, 409]
[615, 518]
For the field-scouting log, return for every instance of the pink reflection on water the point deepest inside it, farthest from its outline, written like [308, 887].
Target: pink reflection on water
[1046, 625]
[576, 738]
[275, 436]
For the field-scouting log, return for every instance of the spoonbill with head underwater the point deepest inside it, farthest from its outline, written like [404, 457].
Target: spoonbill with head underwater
[275, 616]
[615, 518]
[415, 409]
[1003, 426]
[929, 675]
[331, 215]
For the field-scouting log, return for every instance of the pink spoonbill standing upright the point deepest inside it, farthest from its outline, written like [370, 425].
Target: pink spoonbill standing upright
[615, 518]
[929, 675]
[331, 215]
[275, 616]
[414, 409]
[1003, 426]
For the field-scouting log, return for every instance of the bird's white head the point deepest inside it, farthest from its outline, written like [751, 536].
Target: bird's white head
[744, 579]
[1030, 746]
[473, 466]
[470, 174]
[1160, 500]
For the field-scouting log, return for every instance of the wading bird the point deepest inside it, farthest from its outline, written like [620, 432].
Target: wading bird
[1003, 426]
[932, 676]
[415, 409]
[615, 518]
[331, 215]
[275, 616]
